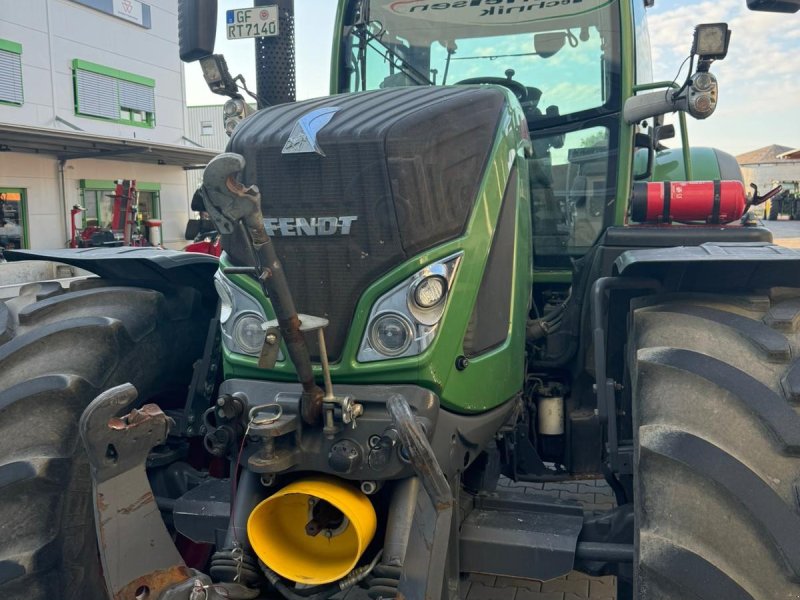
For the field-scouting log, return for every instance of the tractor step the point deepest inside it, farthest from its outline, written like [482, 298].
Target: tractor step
[521, 535]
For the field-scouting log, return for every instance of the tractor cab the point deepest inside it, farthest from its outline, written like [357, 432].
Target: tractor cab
[562, 62]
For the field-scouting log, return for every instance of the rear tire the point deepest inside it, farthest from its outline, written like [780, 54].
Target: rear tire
[58, 351]
[716, 387]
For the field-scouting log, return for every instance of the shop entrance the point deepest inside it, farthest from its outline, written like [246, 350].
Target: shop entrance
[13, 218]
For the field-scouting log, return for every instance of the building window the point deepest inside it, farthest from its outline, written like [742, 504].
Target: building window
[10, 73]
[13, 219]
[206, 128]
[106, 93]
[98, 202]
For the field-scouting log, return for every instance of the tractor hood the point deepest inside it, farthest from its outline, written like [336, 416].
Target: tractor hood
[354, 185]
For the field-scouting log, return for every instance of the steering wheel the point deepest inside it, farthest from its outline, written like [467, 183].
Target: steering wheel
[520, 91]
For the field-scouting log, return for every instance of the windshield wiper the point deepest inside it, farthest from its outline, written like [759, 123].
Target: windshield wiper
[496, 56]
[406, 67]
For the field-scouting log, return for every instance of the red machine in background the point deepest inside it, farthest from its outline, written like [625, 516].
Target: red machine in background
[205, 238]
[202, 232]
[125, 228]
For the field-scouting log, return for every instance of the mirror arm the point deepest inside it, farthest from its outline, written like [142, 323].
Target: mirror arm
[641, 107]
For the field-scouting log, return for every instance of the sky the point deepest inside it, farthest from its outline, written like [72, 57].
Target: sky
[759, 80]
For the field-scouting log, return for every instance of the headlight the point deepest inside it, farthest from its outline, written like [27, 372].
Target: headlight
[404, 321]
[429, 291]
[233, 108]
[242, 318]
[248, 332]
[391, 334]
[230, 125]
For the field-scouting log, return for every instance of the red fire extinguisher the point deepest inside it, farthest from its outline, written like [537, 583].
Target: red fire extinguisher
[688, 201]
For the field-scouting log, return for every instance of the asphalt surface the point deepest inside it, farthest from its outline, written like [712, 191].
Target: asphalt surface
[785, 232]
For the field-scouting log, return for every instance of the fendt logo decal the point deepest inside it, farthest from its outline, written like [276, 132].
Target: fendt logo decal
[495, 12]
[299, 226]
[303, 138]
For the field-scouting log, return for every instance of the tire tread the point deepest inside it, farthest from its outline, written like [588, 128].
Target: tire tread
[66, 348]
[700, 479]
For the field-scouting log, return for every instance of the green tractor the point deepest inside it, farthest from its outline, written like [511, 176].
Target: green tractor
[476, 261]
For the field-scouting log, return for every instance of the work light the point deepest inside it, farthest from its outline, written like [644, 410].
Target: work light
[711, 41]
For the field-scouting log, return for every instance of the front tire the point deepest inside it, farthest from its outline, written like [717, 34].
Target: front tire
[716, 385]
[58, 351]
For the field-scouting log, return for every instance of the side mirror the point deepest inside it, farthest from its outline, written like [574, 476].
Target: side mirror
[664, 132]
[779, 6]
[192, 229]
[197, 28]
[547, 44]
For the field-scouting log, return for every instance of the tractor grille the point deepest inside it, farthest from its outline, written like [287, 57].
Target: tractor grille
[407, 163]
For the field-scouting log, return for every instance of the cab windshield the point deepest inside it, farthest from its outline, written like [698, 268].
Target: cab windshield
[563, 53]
[560, 58]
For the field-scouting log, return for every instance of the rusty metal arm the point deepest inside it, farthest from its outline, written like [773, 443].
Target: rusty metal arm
[229, 202]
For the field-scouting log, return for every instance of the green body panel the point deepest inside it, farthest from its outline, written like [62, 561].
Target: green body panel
[493, 377]
[626, 132]
[669, 165]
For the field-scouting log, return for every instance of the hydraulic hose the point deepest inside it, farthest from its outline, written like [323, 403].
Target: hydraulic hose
[320, 592]
[420, 453]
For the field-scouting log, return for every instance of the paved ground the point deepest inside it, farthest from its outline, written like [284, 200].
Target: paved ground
[593, 495]
[785, 232]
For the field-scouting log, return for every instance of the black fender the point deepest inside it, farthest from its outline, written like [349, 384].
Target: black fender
[714, 266]
[144, 265]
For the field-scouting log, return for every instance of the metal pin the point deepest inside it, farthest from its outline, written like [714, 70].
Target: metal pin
[326, 372]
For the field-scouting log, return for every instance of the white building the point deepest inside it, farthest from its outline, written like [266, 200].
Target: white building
[770, 166]
[91, 91]
[204, 124]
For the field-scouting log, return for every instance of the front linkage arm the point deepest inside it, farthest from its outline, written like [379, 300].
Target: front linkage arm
[228, 202]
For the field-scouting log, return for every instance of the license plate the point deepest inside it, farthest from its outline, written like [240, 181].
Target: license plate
[242, 23]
